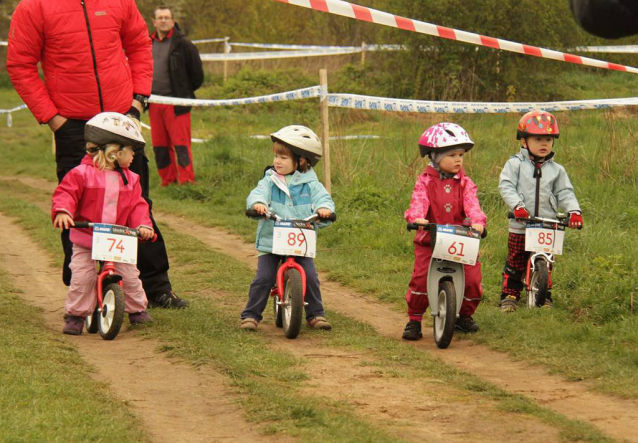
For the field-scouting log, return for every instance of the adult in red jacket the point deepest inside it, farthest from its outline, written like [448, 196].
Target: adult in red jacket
[96, 56]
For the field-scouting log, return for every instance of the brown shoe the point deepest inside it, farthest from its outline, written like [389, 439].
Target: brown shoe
[249, 324]
[319, 323]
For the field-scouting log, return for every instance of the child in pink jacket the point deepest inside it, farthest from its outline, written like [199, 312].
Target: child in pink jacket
[443, 194]
[102, 190]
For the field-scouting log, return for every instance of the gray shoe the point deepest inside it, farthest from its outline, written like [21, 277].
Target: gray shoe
[168, 300]
[140, 318]
[73, 325]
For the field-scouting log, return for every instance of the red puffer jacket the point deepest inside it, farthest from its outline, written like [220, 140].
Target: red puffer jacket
[95, 55]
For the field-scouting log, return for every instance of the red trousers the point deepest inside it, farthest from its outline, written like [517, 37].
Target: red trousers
[417, 297]
[516, 266]
[172, 144]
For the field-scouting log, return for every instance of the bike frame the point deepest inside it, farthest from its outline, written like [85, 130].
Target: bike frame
[548, 258]
[106, 276]
[289, 263]
[441, 270]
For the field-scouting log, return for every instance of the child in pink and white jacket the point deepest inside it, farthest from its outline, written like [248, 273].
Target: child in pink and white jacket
[102, 190]
[443, 194]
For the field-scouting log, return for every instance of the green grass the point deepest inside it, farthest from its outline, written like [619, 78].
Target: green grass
[57, 401]
[271, 381]
[590, 335]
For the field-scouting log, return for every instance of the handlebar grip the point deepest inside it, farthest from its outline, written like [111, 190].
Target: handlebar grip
[510, 215]
[416, 226]
[80, 224]
[332, 217]
[484, 234]
[252, 213]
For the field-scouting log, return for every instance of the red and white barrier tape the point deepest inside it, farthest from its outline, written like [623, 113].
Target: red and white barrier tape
[350, 10]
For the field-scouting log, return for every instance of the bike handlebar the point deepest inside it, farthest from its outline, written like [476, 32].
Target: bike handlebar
[272, 216]
[561, 219]
[416, 226]
[85, 224]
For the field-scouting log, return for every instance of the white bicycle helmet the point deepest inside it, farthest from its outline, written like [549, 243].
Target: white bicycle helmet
[301, 140]
[113, 127]
[443, 137]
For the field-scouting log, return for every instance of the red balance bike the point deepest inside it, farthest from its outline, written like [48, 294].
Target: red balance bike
[111, 244]
[291, 238]
[544, 238]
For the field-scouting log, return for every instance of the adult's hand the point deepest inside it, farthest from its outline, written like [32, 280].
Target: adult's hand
[56, 122]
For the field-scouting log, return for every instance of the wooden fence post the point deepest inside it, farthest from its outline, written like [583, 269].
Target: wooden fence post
[363, 53]
[323, 81]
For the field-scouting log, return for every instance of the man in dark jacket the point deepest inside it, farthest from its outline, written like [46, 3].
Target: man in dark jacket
[178, 73]
[95, 56]
[607, 18]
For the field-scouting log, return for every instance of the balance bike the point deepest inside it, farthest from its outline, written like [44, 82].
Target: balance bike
[291, 238]
[111, 244]
[544, 238]
[452, 247]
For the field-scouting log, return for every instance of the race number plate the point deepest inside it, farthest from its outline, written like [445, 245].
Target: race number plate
[291, 238]
[542, 237]
[457, 244]
[114, 243]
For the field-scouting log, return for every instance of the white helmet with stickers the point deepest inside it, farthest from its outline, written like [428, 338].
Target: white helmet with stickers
[113, 127]
[301, 141]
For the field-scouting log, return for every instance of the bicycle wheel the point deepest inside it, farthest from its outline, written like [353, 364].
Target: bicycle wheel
[444, 322]
[112, 315]
[292, 304]
[92, 321]
[538, 285]
[277, 311]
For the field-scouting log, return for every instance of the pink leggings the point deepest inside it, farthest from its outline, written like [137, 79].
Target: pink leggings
[82, 297]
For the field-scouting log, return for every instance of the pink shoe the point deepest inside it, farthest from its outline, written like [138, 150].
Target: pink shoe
[73, 325]
[140, 318]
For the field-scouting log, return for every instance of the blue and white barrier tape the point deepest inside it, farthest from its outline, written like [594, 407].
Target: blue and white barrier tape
[4, 43]
[422, 106]
[334, 137]
[209, 40]
[284, 46]
[621, 49]
[236, 56]
[297, 94]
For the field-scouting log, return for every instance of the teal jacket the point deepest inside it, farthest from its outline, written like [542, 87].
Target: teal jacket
[300, 199]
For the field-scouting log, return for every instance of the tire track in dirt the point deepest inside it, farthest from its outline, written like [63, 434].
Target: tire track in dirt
[174, 401]
[613, 416]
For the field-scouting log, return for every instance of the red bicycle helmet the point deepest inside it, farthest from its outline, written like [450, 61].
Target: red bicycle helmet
[537, 123]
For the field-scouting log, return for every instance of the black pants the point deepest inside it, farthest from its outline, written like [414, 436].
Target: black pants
[152, 259]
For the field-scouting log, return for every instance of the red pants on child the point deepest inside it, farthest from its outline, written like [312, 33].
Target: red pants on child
[417, 297]
[171, 136]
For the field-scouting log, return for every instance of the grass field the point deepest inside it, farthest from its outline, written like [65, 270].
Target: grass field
[592, 334]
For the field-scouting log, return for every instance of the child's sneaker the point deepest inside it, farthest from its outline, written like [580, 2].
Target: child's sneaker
[140, 318]
[508, 304]
[319, 323]
[466, 324]
[412, 330]
[548, 304]
[73, 325]
[250, 324]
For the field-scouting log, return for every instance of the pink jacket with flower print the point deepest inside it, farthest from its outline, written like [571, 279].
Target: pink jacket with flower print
[89, 194]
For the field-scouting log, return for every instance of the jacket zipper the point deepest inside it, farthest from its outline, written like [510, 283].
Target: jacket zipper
[97, 77]
[538, 174]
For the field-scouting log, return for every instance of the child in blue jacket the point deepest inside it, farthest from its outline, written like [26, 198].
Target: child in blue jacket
[291, 190]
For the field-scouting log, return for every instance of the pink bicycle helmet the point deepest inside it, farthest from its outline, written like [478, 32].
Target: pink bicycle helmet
[537, 123]
[444, 137]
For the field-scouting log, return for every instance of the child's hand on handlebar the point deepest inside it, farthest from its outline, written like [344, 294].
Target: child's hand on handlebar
[324, 213]
[63, 220]
[260, 208]
[478, 227]
[146, 233]
[521, 212]
[421, 221]
[575, 220]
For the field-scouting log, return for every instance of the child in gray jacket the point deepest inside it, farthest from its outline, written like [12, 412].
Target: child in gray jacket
[533, 184]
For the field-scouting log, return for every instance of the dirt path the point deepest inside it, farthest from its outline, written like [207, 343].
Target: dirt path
[615, 417]
[174, 401]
